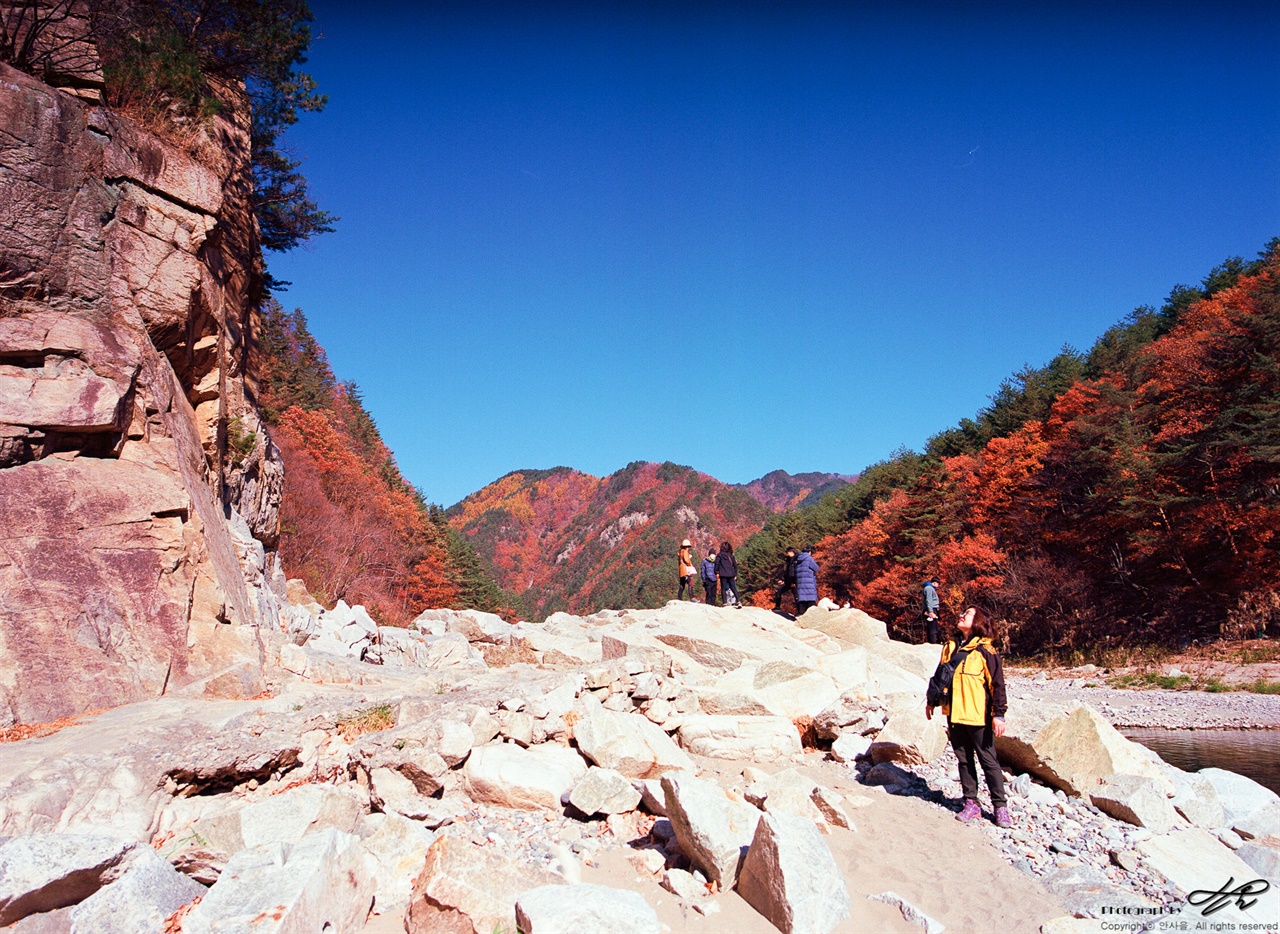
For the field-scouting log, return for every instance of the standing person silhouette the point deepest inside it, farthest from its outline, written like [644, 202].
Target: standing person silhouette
[684, 560]
[709, 577]
[788, 582]
[806, 581]
[727, 571]
[975, 713]
[931, 606]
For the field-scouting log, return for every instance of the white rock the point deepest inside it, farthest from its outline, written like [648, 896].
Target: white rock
[513, 777]
[43, 871]
[910, 912]
[604, 791]
[908, 737]
[1197, 800]
[140, 900]
[1194, 860]
[323, 882]
[584, 909]
[626, 742]
[762, 739]
[849, 745]
[711, 828]
[399, 845]
[790, 877]
[1135, 799]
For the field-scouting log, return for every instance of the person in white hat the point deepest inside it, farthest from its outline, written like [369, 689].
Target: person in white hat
[687, 570]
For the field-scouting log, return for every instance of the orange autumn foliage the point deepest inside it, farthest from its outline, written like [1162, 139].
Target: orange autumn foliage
[1144, 505]
[347, 531]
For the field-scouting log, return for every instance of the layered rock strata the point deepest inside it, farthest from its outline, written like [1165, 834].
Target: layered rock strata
[139, 491]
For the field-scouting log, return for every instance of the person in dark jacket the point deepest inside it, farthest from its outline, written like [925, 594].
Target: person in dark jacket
[727, 571]
[806, 582]
[975, 714]
[931, 606]
[709, 577]
[788, 581]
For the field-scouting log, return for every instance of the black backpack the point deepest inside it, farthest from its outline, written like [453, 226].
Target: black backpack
[939, 690]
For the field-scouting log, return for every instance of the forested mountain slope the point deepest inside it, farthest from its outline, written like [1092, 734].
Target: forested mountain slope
[351, 526]
[567, 540]
[1130, 493]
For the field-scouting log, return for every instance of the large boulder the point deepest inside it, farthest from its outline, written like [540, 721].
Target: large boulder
[626, 742]
[1197, 800]
[140, 900]
[472, 625]
[584, 909]
[908, 736]
[1075, 751]
[852, 627]
[778, 688]
[790, 877]
[762, 739]
[400, 847]
[201, 847]
[1194, 860]
[45, 871]
[1136, 800]
[464, 888]
[604, 791]
[510, 776]
[1241, 797]
[712, 829]
[325, 881]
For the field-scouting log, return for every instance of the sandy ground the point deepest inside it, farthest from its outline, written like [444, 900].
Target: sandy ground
[920, 853]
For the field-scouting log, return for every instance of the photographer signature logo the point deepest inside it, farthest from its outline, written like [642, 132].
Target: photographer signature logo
[1216, 901]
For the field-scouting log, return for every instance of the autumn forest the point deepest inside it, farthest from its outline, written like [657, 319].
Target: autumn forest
[1126, 494]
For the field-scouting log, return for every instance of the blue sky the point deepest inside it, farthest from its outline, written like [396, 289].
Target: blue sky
[744, 237]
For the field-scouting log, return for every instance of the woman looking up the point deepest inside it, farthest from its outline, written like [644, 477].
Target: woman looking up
[975, 714]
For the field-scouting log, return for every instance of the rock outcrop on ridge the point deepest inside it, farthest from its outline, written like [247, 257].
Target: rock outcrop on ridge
[139, 491]
[449, 774]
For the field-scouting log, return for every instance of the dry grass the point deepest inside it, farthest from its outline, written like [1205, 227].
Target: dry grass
[16, 734]
[368, 720]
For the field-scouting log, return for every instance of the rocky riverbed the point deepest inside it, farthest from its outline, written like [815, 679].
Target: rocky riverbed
[1154, 708]
[681, 769]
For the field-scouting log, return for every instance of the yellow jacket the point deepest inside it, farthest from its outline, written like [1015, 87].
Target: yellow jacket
[977, 688]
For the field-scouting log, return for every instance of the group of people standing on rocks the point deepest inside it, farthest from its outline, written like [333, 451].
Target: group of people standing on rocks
[968, 686]
[719, 572]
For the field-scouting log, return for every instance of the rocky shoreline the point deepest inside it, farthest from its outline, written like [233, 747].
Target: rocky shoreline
[1155, 708]
[680, 769]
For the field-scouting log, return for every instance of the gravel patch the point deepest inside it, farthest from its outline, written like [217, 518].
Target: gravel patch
[1156, 708]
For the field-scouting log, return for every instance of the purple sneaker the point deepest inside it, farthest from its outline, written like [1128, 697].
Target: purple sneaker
[1003, 817]
[971, 811]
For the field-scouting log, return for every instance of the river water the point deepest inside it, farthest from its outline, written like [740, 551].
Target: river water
[1253, 753]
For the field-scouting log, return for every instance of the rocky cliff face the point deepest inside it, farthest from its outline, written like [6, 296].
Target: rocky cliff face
[138, 489]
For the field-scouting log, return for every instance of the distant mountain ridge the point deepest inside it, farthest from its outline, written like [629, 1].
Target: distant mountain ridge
[780, 491]
[566, 540]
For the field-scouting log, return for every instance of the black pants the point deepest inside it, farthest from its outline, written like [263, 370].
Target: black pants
[931, 628]
[685, 582]
[803, 605]
[729, 585]
[980, 741]
[709, 587]
[781, 592]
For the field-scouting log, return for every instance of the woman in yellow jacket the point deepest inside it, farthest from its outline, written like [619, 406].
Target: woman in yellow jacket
[976, 713]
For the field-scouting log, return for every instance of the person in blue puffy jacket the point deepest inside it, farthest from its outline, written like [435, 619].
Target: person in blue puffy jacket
[806, 582]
